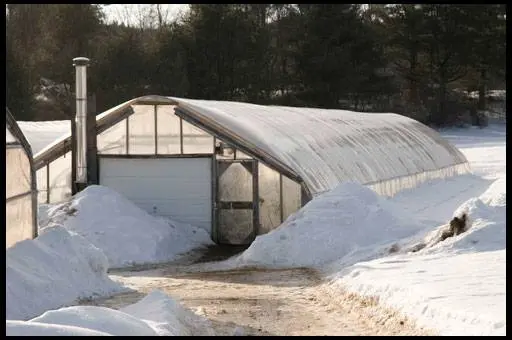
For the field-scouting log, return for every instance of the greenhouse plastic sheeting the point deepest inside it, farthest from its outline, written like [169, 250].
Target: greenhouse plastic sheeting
[325, 147]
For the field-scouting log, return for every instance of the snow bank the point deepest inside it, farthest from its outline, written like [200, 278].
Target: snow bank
[53, 270]
[458, 286]
[351, 223]
[168, 317]
[102, 319]
[124, 232]
[155, 314]
[24, 328]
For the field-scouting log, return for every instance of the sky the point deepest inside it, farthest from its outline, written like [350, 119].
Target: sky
[129, 13]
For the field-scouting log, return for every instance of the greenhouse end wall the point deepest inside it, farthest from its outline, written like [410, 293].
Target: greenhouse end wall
[19, 208]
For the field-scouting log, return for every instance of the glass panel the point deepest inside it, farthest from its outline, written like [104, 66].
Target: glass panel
[113, 140]
[41, 185]
[141, 127]
[270, 208]
[17, 177]
[196, 140]
[18, 220]
[235, 226]
[291, 197]
[168, 129]
[60, 179]
[235, 183]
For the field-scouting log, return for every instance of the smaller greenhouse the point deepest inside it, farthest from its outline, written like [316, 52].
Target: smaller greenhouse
[20, 185]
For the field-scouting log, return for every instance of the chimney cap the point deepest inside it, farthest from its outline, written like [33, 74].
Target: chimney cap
[80, 61]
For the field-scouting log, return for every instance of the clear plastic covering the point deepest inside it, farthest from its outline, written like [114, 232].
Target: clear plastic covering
[113, 140]
[270, 203]
[235, 226]
[42, 185]
[326, 147]
[196, 141]
[291, 197]
[168, 130]
[60, 179]
[141, 130]
[20, 189]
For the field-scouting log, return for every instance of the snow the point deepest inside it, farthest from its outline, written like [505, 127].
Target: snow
[315, 144]
[55, 269]
[43, 133]
[361, 242]
[168, 317]
[458, 286]
[126, 234]
[155, 314]
[349, 222]
[24, 328]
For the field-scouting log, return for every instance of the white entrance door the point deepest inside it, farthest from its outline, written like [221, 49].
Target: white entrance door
[178, 188]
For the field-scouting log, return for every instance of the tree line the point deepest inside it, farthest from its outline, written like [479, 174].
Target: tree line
[403, 58]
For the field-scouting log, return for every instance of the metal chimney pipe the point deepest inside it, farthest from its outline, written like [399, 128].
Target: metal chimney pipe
[81, 64]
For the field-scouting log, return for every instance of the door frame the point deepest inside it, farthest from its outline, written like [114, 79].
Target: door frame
[250, 165]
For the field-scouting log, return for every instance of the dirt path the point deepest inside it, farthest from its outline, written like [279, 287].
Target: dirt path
[254, 301]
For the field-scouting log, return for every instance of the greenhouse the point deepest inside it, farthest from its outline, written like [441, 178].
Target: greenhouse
[20, 186]
[239, 169]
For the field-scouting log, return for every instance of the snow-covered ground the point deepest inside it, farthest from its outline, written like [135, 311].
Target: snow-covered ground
[126, 234]
[155, 314]
[361, 240]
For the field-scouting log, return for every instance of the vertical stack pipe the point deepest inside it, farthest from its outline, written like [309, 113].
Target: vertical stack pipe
[81, 64]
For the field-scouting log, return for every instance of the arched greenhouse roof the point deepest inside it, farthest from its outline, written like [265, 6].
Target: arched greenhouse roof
[319, 147]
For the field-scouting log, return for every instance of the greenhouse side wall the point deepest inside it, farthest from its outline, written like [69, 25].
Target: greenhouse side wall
[19, 208]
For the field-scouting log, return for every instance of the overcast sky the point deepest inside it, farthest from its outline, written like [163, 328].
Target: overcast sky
[129, 13]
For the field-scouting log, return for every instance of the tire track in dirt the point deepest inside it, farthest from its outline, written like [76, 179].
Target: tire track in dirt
[255, 301]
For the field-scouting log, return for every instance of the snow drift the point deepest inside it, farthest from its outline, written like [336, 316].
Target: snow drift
[53, 270]
[168, 317]
[124, 232]
[155, 314]
[350, 222]
[24, 328]
[458, 286]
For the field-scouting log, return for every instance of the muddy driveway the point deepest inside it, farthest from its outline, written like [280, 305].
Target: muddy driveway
[256, 301]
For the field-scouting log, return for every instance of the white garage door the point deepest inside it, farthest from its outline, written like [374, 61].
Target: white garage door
[178, 188]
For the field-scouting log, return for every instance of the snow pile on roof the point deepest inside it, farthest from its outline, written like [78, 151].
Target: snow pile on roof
[156, 314]
[126, 234]
[350, 222]
[43, 133]
[53, 270]
[458, 286]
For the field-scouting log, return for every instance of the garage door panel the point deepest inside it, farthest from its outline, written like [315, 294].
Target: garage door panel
[159, 188]
[133, 167]
[177, 188]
